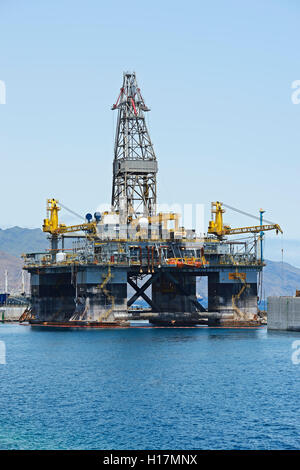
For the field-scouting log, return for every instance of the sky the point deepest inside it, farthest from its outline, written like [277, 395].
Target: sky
[217, 76]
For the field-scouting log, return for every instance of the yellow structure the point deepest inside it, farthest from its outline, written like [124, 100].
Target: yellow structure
[51, 222]
[52, 226]
[216, 226]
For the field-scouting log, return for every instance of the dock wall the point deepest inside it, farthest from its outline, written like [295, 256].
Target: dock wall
[284, 313]
[11, 313]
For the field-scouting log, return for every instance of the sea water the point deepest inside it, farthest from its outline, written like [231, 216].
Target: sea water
[148, 388]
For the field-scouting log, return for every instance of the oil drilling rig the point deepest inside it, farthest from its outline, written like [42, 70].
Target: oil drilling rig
[134, 245]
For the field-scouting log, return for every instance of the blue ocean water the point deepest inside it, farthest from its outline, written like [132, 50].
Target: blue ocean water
[148, 388]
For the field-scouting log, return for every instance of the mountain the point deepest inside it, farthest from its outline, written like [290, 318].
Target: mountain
[17, 240]
[281, 248]
[280, 278]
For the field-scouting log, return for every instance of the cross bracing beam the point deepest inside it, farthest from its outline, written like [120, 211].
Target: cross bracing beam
[140, 291]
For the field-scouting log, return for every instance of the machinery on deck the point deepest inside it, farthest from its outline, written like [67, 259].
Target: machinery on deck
[132, 252]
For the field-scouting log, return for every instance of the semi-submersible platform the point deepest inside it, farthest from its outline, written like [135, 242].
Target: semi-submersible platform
[134, 245]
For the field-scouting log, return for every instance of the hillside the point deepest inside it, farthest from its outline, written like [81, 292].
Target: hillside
[280, 278]
[17, 240]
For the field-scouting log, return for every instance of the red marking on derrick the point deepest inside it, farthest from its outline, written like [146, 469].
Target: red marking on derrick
[133, 106]
[121, 91]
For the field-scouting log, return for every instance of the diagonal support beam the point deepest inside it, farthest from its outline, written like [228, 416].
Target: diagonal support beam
[139, 294]
[148, 300]
[192, 298]
[140, 291]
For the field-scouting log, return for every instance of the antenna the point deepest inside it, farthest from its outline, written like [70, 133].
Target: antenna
[6, 281]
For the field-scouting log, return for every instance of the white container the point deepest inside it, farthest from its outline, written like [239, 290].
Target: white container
[111, 219]
[60, 257]
[143, 221]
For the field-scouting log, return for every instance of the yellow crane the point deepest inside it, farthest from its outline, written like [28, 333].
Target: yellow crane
[52, 226]
[217, 227]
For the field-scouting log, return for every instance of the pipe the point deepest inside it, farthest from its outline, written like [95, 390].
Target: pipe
[261, 235]
[152, 259]
[141, 260]
[148, 256]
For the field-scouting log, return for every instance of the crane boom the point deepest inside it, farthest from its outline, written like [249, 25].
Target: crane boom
[253, 229]
[217, 227]
[89, 227]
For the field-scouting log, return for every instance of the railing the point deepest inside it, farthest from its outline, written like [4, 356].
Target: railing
[121, 259]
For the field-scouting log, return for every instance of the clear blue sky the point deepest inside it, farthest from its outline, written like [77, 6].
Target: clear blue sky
[217, 76]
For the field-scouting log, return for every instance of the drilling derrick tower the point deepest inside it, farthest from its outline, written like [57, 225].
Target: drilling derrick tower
[135, 165]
